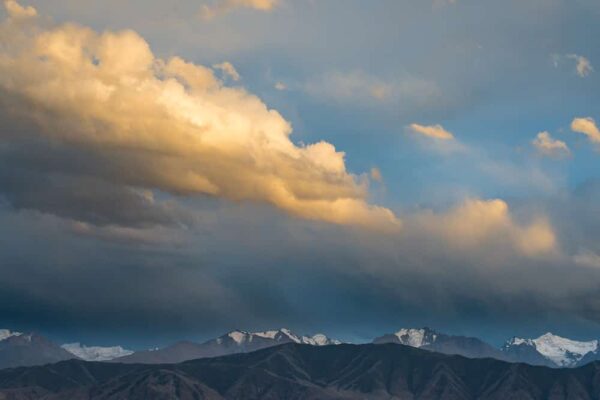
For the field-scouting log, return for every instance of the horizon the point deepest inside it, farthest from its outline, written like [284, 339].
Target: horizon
[197, 340]
[175, 170]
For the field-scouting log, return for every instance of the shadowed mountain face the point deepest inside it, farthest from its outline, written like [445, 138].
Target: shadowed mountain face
[428, 339]
[30, 349]
[231, 343]
[293, 371]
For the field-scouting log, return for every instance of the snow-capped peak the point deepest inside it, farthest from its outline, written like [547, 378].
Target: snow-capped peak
[238, 336]
[561, 351]
[319, 340]
[415, 337]
[280, 335]
[96, 353]
[5, 334]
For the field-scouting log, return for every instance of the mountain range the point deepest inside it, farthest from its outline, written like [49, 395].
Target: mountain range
[298, 371]
[18, 349]
[547, 350]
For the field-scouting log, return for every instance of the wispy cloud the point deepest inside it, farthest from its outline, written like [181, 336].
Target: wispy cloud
[583, 66]
[376, 174]
[229, 70]
[432, 131]
[359, 87]
[221, 7]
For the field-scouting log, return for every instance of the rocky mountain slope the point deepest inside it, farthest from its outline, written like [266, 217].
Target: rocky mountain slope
[230, 343]
[294, 371]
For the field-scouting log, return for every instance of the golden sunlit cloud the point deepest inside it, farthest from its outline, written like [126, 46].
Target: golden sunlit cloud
[588, 127]
[221, 7]
[169, 125]
[15, 10]
[432, 131]
[548, 146]
[477, 223]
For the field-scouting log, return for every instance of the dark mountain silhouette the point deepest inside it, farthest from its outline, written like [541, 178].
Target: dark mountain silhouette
[293, 371]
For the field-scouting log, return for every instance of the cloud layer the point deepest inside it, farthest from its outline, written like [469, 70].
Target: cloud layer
[136, 121]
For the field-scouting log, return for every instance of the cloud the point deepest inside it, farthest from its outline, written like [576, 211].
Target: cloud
[376, 174]
[229, 70]
[583, 65]
[137, 121]
[588, 127]
[221, 7]
[280, 86]
[587, 259]
[359, 87]
[483, 225]
[16, 11]
[432, 131]
[546, 145]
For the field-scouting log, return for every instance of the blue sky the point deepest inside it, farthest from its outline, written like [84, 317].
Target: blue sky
[179, 209]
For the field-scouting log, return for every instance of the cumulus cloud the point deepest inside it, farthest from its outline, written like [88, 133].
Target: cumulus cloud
[432, 131]
[478, 225]
[16, 11]
[221, 7]
[588, 127]
[548, 146]
[138, 121]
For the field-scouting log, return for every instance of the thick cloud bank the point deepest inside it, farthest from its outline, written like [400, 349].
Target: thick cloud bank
[133, 121]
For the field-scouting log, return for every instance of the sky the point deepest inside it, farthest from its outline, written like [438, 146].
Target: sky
[176, 170]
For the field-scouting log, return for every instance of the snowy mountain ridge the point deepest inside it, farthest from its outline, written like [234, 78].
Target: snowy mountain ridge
[416, 337]
[96, 353]
[281, 335]
[561, 351]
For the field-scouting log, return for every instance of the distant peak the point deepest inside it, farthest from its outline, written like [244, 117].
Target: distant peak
[238, 336]
[416, 337]
[561, 351]
[279, 335]
[6, 333]
[96, 353]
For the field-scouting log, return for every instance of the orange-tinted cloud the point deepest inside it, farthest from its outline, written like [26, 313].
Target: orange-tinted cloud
[168, 125]
[432, 131]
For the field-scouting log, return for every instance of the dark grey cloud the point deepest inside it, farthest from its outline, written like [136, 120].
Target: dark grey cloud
[303, 275]
[244, 266]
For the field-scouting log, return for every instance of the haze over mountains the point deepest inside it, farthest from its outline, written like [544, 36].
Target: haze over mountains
[18, 349]
[297, 371]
